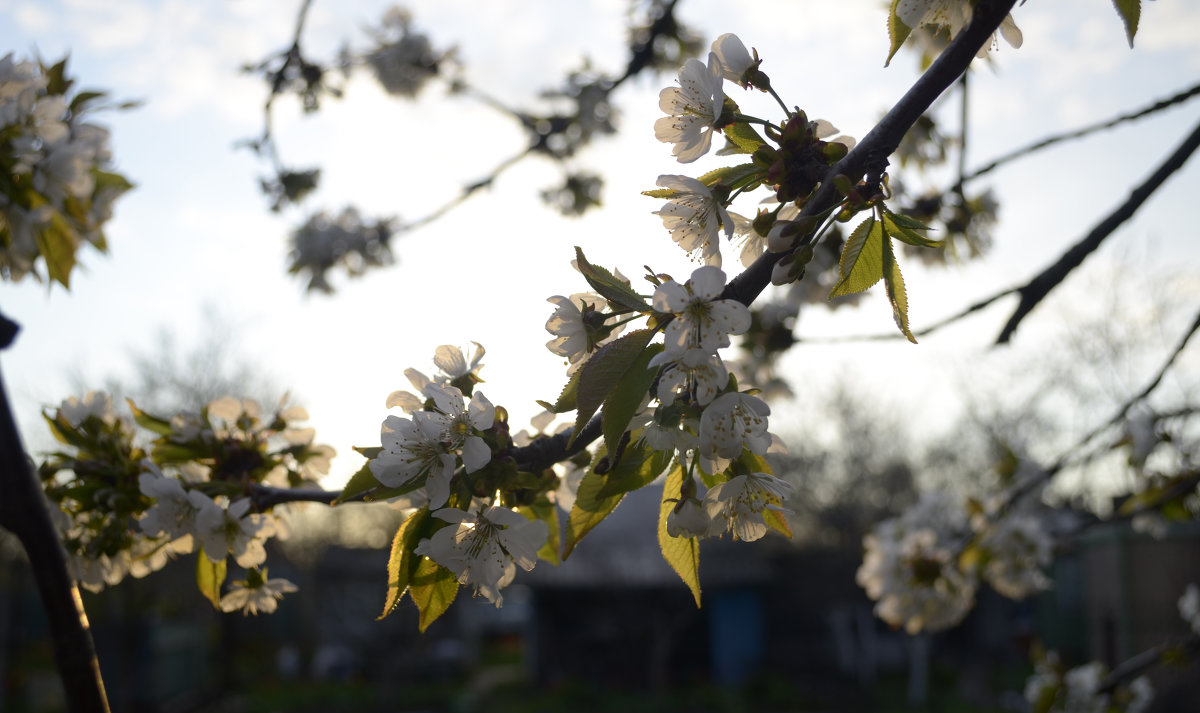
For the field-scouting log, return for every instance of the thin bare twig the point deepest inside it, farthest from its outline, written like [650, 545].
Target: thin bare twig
[1036, 289]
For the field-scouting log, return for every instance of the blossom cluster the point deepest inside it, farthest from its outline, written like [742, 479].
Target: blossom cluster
[126, 509]
[915, 569]
[57, 193]
[1054, 689]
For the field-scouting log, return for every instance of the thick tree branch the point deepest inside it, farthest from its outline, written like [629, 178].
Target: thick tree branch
[1037, 288]
[871, 151]
[23, 511]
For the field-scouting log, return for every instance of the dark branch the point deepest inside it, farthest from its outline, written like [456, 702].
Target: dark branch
[1080, 133]
[23, 511]
[894, 335]
[1037, 288]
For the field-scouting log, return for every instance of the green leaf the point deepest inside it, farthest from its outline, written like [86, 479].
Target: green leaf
[638, 467]
[371, 452]
[590, 508]
[604, 372]
[64, 433]
[56, 78]
[625, 400]
[612, 289]
[661, 193]
[402, 561]
[734, 177]
[432, 588]
[904, 229]
[567, 398]
[210, 577]
[166, 452]
[894, 282]
[80, 101]
[361, 482]
[106, 180]
[862, 260]
[57, 243]
[682, 553]
[897, 32]
[151, 423]
[744, 137]
[543, 509]
[777, 522]
[1130, 12]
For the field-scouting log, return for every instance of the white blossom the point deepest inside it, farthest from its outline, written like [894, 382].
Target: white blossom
[484, 549]
[953, 16]
[694, 372]
[702, 321]
[695, 218]
[572, 333]
[252, 599]
[456, 422]
[96, 404]
[733, 57]
[692, 108]
[732, 421]
[1189, 607]
[411, 451]
[1017, 548]
[689, 518]
[232, 530]
[737, 504]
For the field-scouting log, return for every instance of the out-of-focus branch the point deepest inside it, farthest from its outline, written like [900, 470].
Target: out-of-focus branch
[894, 335]
[1148, 659]
[23, 511]
[1079, 134]
[1037, 288]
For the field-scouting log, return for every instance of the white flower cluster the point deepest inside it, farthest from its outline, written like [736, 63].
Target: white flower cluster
[403, 60]
[200, 503]
[481, 545]
[953, 16]
[56, 192]
[912, 566]
[1077, 690]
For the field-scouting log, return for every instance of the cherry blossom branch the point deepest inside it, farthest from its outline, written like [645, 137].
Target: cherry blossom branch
[23, 511]
[1036, 289]
[870, 153]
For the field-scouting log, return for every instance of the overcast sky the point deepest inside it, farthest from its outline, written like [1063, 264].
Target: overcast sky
[197, 232]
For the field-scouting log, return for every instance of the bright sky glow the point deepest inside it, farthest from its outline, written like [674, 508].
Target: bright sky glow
[197, 231]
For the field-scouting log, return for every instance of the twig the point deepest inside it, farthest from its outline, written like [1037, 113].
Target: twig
[1040, 286]
[1147, 660]
[1079, 133]
[894, 335]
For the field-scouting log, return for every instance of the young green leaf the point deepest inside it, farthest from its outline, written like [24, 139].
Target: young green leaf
[402, 561]
[638, 467]
[432, 588]
[682, 553]
[894, 282]
[623, 402]
[151, 423]
[361, 482]
[604, 372]
[607, 284]
[209, 577]
[567, 398]
[862, 260]
[743, 137]
[1130, 12]
[897, 32]
[904, 229]
[590, 508]
[775, 520]
[57, 243]
[735, 177]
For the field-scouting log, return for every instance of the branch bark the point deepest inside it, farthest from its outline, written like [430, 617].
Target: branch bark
[24, 512]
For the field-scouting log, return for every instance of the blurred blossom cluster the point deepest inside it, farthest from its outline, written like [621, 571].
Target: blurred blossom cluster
[56, 191]
[1053, 688]
[923, 567]
[345, 240]
[127, 503]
